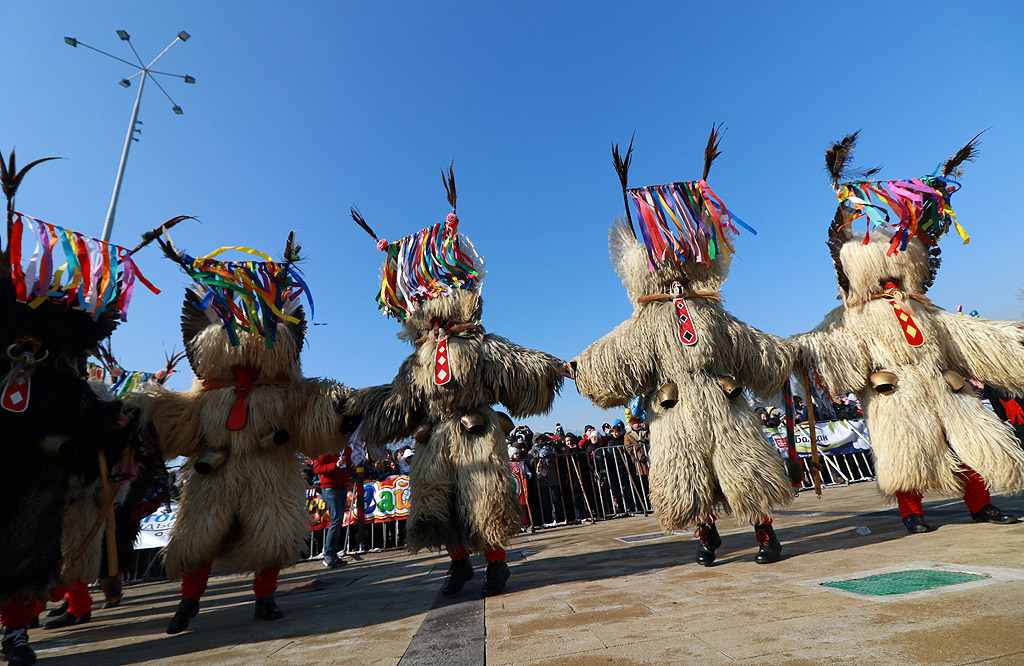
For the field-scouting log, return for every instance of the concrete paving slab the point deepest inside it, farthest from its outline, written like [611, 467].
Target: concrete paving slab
[588, 594]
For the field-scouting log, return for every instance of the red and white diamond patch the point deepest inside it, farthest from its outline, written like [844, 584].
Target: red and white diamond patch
[442, 369]
[16, 391]
[687, 332]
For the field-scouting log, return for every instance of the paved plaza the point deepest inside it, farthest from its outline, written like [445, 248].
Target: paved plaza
[617, 592]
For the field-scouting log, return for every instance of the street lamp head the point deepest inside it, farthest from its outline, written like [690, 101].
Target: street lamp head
[190, 79]
[124, 83]
[177, 109]
[71, 41]
[183, 36]
[123, 35]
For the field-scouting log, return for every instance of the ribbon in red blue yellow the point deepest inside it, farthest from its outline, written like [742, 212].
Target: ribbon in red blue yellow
[71, 269]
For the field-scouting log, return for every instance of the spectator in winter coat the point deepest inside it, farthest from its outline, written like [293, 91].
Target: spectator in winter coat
[335, 472]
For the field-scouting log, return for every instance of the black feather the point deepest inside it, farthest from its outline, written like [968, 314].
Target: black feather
[965, 154]
[622, 168]
[292, 252]
[151, 236]
[358, 217]
[711, 151]
[835, 245]
[837, 157]
[449, 184]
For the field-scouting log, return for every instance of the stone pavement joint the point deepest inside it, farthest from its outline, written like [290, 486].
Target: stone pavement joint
[452, 634]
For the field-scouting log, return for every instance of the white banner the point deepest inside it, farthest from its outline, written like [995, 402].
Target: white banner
[834, 438]
[156, 528]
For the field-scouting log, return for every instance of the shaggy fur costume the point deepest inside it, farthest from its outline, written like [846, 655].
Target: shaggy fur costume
[923, 432]
[461, 484]
[248, 514]
[34, 487]
[708, 449]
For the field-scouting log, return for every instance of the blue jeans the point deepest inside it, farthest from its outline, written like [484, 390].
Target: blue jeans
[334, 498]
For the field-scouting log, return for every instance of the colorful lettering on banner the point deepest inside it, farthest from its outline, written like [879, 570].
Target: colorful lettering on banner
[913, 334]
[383, 501]
[442, 369]
[319, 516]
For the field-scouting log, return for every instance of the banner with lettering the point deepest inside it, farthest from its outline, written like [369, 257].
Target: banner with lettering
[834, 438]
[519, 476]
[156, 527]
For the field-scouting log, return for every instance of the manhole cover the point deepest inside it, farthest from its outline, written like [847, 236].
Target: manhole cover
[904, 582]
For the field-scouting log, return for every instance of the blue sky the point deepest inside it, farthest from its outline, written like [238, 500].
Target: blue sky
[302, 109]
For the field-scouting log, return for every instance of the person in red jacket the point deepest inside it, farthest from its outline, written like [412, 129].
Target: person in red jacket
[335, 472]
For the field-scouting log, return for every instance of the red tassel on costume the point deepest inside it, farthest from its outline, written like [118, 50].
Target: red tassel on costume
[442, 369]
[244, 377]
[909, 503]
[79, 599]
[458, 552]
[976, 494]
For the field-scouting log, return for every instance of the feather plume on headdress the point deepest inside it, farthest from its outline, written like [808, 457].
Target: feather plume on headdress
[686, 221]
[252, 296]
[428, 264]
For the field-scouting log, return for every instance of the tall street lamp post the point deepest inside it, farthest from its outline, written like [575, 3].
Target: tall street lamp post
[144, 72]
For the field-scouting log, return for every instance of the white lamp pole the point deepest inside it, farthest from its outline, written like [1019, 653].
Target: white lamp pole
[145, 71]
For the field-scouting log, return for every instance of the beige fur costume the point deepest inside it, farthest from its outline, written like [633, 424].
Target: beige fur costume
[248, 514]
[461, 483]
[708, 449]
[924, 429]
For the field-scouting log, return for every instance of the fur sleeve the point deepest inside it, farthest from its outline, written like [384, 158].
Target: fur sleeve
[315, 426]
[617, 367]
[526, 381]
[765, 360]
[836, 352]
[174, 418]
[984, 349]
[390, 412]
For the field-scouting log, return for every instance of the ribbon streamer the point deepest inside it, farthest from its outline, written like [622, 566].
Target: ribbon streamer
[684, 222]
[90, 274]
[921, 206]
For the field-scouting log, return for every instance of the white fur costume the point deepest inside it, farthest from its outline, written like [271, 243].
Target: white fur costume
[924, 430]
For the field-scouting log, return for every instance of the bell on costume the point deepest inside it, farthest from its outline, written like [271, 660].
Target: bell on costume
[668, 395]
[884, 382]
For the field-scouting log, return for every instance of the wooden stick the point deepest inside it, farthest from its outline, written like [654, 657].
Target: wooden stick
[112, 568]
[813, 434]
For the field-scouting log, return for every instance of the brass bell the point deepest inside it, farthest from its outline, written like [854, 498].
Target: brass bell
[210, 461]
[884, 382]
[668, 395]
[955, 380]
[505, 423]
[474, 423]
[274, 439]
[422, 432]
[56, 446]
[731, 386]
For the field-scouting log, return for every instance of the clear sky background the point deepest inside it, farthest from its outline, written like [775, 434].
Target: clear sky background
[302, 109]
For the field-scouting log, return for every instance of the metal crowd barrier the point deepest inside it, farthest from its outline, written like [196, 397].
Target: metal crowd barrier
[840, 470]
[586, 485]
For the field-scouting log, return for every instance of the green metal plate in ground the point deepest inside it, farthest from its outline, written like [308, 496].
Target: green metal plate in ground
[903, 582]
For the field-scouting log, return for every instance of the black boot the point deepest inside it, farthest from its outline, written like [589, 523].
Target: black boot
[59, 610]
[458, 573]
[915, 523]
[990, 513]
[267, 609]
[16, 649]
[187, 609]
[66, 619]
[710, 541]
[495, 578]
[771, 549]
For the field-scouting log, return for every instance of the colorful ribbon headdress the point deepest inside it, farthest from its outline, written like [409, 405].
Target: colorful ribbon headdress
[920, 207]
[252, 296]
[683, 221]
[430, 263]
